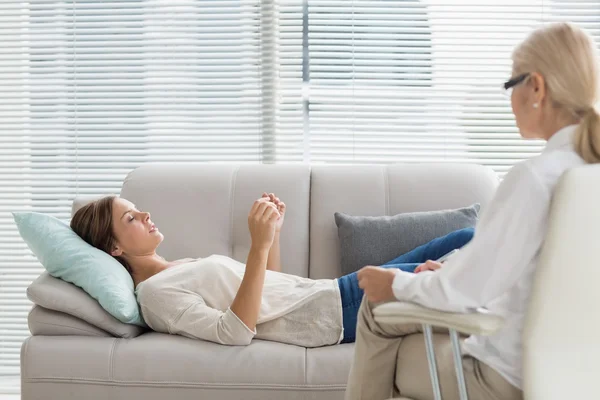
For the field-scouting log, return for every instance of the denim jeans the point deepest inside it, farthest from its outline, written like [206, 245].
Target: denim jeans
[352, 295]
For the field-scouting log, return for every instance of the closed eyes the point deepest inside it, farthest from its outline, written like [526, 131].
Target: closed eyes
[131, 217]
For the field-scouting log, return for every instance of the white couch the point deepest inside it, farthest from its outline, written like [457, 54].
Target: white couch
[202, 209]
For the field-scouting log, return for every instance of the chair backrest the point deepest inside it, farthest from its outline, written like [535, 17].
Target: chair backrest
[561, 335]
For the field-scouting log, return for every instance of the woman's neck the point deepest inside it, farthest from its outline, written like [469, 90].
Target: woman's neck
[146, 266]
[555, 123]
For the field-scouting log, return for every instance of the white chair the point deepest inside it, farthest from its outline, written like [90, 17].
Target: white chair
[561, 338]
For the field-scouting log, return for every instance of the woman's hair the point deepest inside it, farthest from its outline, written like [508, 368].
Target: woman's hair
[566, 57]
[93, 223]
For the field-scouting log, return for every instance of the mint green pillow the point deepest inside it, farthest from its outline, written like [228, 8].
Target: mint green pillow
[68, 257]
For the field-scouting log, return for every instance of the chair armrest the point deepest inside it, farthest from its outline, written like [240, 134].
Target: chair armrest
[479, 322]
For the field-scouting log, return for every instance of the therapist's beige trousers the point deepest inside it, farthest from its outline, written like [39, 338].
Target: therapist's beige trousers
[390, 361]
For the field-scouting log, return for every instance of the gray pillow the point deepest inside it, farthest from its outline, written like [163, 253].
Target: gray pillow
[58, 295]
[377, 240]
[45, 322]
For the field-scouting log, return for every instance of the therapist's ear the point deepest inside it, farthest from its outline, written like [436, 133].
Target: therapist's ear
[538, 84]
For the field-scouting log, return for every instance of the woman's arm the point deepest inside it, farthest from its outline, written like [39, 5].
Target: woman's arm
[274, 260]
[246, 304]
[194, 319]
[262, 221]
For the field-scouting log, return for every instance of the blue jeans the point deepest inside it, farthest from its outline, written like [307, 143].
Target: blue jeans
[352, 295]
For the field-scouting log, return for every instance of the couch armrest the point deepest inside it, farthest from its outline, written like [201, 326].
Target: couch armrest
[480, 322]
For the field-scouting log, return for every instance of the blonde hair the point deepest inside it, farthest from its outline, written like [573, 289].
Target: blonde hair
[566, 56]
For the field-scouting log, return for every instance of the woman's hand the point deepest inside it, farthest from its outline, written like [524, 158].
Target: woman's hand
[262, 222]
[280, 207]
[376, 282]
[429, 265]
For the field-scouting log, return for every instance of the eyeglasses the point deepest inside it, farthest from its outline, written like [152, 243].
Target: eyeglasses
[509, 85]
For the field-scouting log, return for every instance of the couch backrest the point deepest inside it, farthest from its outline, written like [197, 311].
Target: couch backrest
[202, 209]
[375, 190]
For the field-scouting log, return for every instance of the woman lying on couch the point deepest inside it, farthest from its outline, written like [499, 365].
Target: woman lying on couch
[224, 301]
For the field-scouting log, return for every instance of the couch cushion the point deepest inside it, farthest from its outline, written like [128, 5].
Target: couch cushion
[58, 295]
[376, 190]
[160, 360]
[202, 209]
[329, 365]
[162, 357]
[43, 321]
[377, 240]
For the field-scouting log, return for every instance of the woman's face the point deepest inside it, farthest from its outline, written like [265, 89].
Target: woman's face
[135, 233]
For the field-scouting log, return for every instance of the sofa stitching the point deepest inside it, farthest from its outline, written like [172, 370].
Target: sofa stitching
[387, 190]
[165, 383]
[111, 360]
[233, 180]
[24, 364]
[308, 266]
[305, 365]
[110, 376]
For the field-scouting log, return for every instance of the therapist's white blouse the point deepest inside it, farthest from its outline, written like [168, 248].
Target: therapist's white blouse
[495, 269]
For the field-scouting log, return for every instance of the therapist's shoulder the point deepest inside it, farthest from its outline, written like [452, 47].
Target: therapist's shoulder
[527, 171]
[547, 168]
[524, 180]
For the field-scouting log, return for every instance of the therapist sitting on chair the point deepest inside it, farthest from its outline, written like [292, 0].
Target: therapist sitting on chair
[553, 90]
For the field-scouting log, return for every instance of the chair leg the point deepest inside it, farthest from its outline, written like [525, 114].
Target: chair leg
[460, 376]
[433, 373]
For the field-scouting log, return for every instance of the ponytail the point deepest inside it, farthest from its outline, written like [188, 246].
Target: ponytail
[587, 137]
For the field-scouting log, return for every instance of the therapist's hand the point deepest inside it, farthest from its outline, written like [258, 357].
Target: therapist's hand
[376, 282]
[429, 265]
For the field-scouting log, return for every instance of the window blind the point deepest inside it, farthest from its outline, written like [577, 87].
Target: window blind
[92, 89]
[419, 80]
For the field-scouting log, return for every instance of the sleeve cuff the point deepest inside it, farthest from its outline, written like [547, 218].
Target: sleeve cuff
[401, 281]
[248, 330]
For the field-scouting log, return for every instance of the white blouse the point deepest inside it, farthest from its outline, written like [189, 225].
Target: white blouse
[495, 269]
